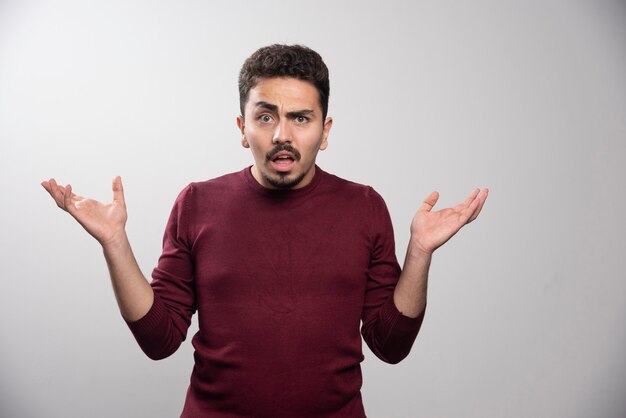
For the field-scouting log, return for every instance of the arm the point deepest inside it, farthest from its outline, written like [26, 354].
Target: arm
[106, 223]
[387, 332]
[429, 231]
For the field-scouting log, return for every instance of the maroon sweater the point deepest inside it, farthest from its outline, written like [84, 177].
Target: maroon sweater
[281, 280]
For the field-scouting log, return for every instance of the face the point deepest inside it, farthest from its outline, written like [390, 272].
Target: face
[283, 126]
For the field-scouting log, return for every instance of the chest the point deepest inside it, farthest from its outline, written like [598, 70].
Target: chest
[287, 256]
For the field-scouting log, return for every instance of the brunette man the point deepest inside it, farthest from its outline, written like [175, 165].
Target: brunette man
[282, 261]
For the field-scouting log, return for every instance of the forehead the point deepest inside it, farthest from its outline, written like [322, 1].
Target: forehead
[286, 92]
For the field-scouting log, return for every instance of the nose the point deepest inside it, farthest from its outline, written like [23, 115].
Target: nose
[282, 133]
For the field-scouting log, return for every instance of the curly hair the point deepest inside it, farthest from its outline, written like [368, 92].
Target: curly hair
[294, 61]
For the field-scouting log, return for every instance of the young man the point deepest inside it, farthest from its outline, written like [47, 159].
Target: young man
[282, 261]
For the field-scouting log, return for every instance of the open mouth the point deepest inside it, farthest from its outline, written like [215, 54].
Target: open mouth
[283, 158]
[283, 161]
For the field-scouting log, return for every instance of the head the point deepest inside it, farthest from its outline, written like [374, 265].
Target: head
[284, 101]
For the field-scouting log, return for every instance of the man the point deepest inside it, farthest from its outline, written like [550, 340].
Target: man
[282, 261]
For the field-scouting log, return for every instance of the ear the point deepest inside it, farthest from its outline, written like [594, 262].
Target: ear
[328, 123]
[241, 125]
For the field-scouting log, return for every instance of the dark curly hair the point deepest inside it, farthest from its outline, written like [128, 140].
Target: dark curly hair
[294, 61]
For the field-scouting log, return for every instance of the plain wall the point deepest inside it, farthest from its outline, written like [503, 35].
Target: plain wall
[526, 306]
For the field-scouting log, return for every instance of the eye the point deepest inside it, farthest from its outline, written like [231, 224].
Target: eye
[265, 118]
[301, 120]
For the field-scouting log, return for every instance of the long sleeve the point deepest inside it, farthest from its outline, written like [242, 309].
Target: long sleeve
[161, 331]
[388, 333]
[281, 280]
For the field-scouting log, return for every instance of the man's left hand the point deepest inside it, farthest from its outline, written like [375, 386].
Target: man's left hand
[431, 229]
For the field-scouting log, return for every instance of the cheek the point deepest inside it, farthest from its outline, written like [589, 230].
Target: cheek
[259, 135]
[312, 143]
[256, 151]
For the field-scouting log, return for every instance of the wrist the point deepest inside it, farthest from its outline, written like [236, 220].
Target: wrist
[415, 250]
[117, 241]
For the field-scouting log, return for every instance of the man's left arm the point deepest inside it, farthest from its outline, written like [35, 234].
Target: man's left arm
[429, 231]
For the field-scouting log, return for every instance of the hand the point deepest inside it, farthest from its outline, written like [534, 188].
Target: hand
[105, 222]
[430, 230]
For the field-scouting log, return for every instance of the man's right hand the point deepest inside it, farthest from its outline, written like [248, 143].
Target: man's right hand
[105, 222]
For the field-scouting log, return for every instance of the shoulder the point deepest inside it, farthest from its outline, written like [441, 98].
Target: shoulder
[224, 182]
[361, 200]
[359, 203]
[353, 190]
[202, 195]
[217, 185]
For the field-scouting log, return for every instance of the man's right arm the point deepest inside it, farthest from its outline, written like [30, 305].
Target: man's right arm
[106, 223]
[133, 293]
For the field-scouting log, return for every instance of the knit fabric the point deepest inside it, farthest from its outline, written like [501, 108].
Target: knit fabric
[281, 280]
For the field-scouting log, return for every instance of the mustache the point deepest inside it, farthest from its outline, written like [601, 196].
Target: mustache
[283, 147]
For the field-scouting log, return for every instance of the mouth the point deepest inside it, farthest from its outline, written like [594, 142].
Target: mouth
[283, 158]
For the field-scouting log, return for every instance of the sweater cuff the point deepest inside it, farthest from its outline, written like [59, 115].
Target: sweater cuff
[151, 321]
[396, 321]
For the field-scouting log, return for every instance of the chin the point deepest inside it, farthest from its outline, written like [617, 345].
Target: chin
[283, 181]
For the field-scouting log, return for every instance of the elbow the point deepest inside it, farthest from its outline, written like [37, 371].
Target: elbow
[393, 355]
[157, 355]
[158, 336]
[159, 347]
[392, 347]
[396, 358]
[156, 352]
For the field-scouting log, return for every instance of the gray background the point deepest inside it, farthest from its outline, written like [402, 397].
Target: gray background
[526, 306]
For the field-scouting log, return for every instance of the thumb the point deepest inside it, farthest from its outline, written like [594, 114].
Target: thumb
[429, 202]
[118, 190]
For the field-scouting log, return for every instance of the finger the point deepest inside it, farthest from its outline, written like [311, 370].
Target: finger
[466, 214]
[429, 202]
[472, 196]
[67, 199]
[56, 192]
[482, 197]
[46, 185]
[118, 190]
[469, 213]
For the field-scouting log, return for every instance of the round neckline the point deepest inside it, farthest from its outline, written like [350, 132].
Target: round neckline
[282, 193]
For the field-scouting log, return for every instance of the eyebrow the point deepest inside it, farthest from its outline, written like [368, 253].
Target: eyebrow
[293, 114]
[266, 105]
[297, 113]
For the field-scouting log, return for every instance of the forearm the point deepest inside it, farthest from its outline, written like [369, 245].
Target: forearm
[133, 293]
[410, 293]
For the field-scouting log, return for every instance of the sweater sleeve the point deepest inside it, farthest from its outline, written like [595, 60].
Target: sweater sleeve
[161, 331]
[388, 333]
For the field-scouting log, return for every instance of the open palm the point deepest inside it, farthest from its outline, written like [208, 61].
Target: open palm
[431, 229]
[104, 221]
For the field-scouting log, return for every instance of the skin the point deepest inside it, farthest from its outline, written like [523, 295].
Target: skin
[106, 223]
[429, 231]
[280, 112]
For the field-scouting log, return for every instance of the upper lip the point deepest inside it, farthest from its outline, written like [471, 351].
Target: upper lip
[283, 150]
[283, 154]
